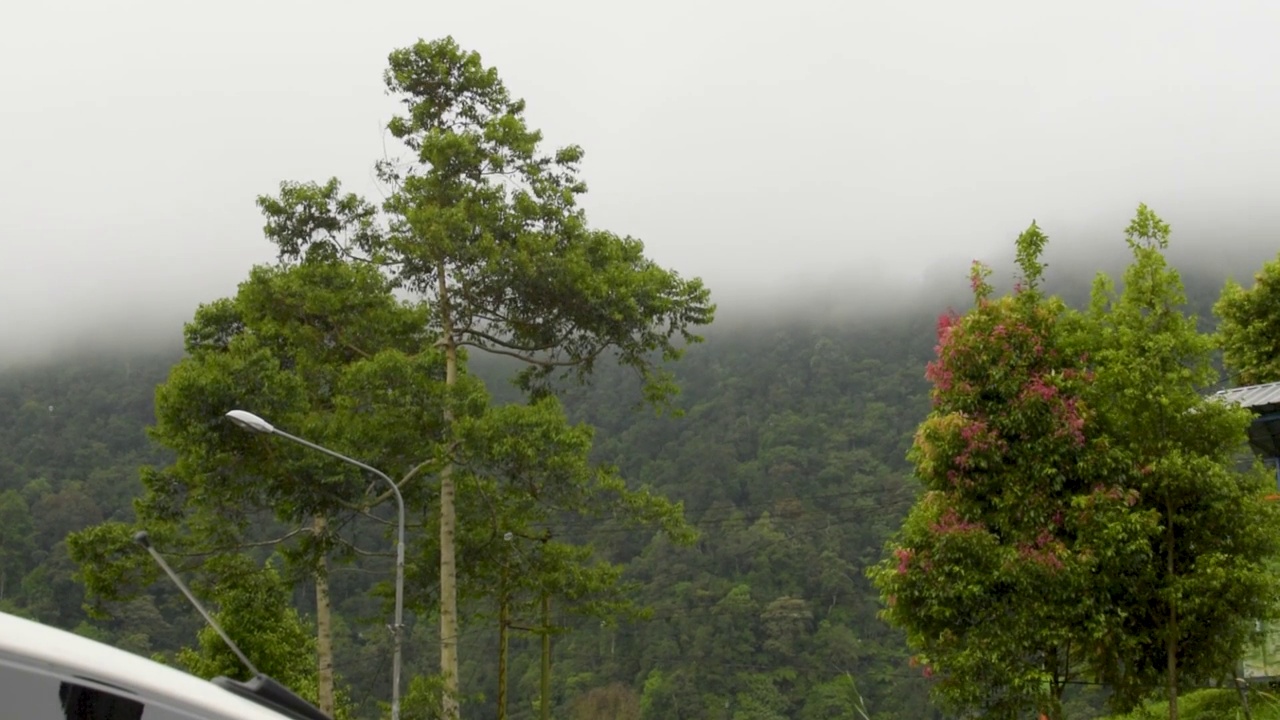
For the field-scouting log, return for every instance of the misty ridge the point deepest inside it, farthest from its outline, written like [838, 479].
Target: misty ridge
[1206, 251]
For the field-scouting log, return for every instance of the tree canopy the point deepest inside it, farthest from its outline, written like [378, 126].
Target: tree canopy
[1250, 327]
[1079, 487]
[484, 222]
[1188, 612]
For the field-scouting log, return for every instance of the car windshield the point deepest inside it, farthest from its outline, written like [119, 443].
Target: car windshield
[31, 694]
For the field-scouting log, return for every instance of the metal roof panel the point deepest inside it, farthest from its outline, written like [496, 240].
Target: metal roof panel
[1252, 396]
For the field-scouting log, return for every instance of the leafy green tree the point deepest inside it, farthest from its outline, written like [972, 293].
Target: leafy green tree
[485, 223]
[139, 626]
[324, 349]
[1249, 327]
[1082, 503]
[526, 473]
[1187, 613]
[285, 346]
[253, 609]
[993, 574]
[837, 698]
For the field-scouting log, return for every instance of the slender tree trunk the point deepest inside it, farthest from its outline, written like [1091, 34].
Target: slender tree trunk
[448, 520]
[1242, 688]
[545, 690]
[324, 630]
[1058, 672]
[1171, 642]
[504, 623]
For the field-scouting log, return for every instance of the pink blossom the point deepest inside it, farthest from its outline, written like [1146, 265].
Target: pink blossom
[940, 375]
[904, 559]
[1037, 388]
[951, 522]
[1042, 555]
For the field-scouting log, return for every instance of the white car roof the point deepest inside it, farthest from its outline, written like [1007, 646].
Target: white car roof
[48, 650]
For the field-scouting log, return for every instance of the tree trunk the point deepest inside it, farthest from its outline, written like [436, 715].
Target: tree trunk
[1059, 673]
[1171, 641]
[324, 630]
[1242, 688]
[504, 622]
[545, 690]
[448, 522]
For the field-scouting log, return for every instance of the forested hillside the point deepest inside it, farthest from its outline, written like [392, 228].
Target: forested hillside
[789, 458]
[73, 438]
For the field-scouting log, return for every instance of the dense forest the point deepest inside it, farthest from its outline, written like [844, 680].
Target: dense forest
[789, 458]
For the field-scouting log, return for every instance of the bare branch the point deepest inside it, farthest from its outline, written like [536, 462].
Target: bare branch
[387, 494]
[523, 358]
[358, 551]
[355, 350]
[505, 344]
[242, 546]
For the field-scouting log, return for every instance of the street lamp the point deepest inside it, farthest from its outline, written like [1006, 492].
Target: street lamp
[249, 421]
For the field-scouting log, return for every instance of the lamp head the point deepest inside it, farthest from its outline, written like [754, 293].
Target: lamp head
[249, 421]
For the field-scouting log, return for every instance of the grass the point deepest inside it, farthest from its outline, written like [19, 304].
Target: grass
[1210, 705]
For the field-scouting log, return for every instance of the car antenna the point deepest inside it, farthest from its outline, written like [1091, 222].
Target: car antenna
[260, 689]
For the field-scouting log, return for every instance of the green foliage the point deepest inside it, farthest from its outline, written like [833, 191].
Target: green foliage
[422, 698]
[1249, 330]
[16, 541]
[1188, 612]
[1030, 246]
[285, 347]
[1083, 511]
[991, 572]
[616, 701]
[789, 463]
[325, 349]
[484, 220]
[524, 473]
[1208, 705]
[254, 611]
[838, 698]
[807, 425]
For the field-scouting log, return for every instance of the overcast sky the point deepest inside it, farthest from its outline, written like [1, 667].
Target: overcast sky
[761, 145]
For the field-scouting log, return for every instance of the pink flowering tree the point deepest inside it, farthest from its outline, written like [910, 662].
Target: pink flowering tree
[992, 573]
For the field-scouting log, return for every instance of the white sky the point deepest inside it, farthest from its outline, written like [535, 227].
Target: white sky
[760, 145]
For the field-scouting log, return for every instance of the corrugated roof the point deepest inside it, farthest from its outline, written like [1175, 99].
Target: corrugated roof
[1252, 396]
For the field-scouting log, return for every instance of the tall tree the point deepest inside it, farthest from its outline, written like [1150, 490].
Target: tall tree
[525, 473]
[1187, 613]
[1249, 327]
[530, 469]
[483, 221]
[285, 346]
[992, 573]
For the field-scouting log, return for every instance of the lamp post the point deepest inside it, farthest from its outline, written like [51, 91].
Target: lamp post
[251, 422]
